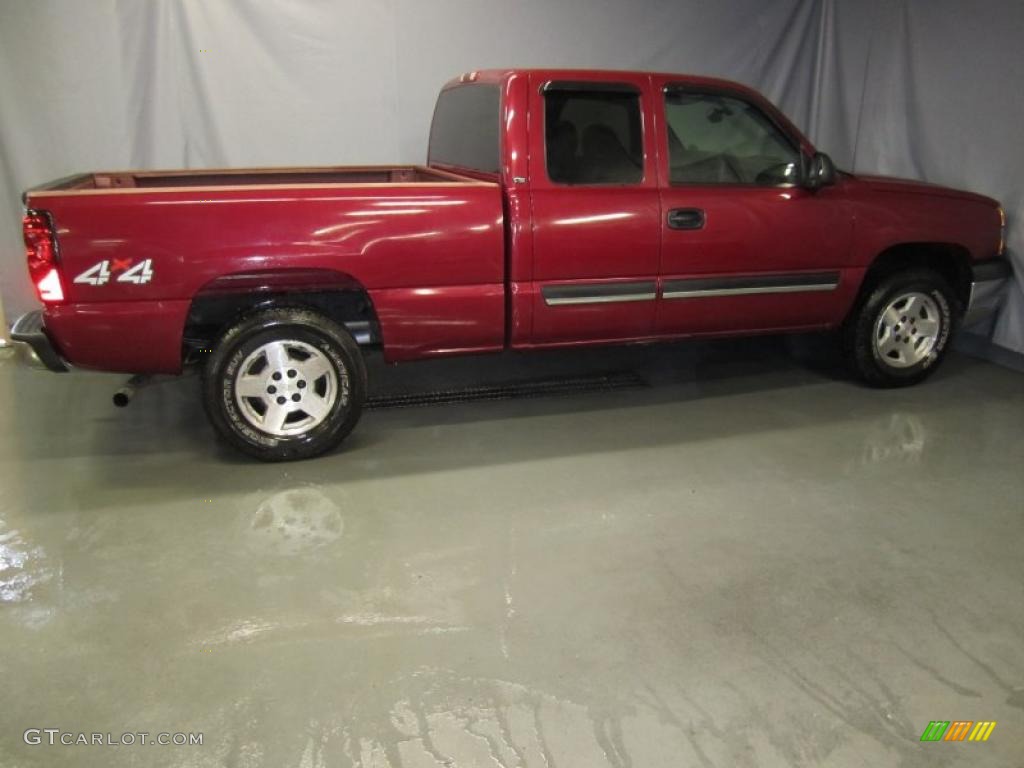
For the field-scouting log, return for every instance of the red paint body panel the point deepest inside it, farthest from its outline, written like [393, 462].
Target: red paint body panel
[121, 336]
[890, 211]
[756, 231]
[446, 320]
[386, 238]
[456, 263]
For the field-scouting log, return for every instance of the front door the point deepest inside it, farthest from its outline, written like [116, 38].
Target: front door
[744, 248]
[596, 210]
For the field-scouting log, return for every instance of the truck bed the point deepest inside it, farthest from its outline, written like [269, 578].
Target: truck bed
[243, 177]
[137, 248]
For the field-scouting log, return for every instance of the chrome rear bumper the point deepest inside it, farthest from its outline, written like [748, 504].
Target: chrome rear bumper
[988, 286]
[33, 346]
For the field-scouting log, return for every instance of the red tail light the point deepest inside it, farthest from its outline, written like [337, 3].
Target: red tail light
[41, 253]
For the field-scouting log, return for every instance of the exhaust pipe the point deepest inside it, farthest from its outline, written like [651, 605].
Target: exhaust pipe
[124, 395]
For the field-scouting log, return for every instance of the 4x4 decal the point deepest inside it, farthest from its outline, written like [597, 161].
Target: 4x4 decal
[101, 273]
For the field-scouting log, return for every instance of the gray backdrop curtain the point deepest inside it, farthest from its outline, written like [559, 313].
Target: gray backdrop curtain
[928, 89]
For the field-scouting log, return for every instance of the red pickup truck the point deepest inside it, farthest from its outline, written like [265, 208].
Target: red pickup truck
[557, 207]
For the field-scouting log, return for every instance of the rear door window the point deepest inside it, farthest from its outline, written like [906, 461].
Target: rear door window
[593, 136]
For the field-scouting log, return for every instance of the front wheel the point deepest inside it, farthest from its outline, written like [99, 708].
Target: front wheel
[899, 333]
[285, 384]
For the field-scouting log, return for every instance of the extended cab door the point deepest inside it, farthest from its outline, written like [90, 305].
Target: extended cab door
[595, 207]
[743, 247]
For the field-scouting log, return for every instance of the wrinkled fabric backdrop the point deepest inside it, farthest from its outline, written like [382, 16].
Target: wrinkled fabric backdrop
[928, 89]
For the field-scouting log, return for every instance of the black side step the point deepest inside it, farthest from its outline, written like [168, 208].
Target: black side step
[603, 382]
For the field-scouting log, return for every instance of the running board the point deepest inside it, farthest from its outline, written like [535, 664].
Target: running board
[605, 382]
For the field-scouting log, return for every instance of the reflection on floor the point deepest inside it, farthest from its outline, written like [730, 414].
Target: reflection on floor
[745, 560]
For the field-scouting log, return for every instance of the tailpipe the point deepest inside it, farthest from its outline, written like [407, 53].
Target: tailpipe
[125, 394]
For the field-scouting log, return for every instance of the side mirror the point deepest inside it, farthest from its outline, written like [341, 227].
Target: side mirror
[819, 171]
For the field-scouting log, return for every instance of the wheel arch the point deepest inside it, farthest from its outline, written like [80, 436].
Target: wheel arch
[223, 301]
[950, 260]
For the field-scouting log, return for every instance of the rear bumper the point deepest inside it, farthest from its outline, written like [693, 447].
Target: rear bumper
[33, 346]
[988, 287]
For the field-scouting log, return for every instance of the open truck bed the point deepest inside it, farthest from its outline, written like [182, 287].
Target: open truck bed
[238, 177]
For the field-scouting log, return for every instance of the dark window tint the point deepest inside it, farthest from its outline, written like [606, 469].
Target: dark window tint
[465, 128]
[715, 139]
[593, 137]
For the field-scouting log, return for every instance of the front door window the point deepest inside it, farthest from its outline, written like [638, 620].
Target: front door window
[718, 139]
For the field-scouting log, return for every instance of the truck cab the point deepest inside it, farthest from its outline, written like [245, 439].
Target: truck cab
[654, 205]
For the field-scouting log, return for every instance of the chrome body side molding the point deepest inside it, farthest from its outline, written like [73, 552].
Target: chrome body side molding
[599, 293]
[701, 287]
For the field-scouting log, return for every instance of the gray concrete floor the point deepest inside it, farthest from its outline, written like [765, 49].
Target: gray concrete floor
[751, 561]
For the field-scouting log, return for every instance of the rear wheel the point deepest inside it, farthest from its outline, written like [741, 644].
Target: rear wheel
[285, 384]
[899, 333]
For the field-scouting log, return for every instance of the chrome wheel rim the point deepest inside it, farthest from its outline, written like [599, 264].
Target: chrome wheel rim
[286, 388]
[907, 331]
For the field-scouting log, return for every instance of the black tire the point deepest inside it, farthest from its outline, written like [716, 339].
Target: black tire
[298, 332]
[865, 329]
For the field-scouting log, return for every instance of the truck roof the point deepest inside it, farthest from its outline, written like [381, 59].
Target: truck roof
[500, 75]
